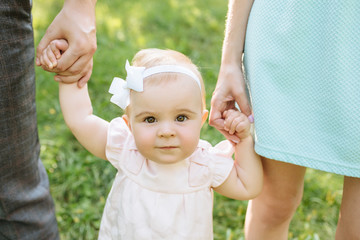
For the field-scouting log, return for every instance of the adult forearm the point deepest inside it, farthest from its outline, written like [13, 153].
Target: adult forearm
[237, 18]
[89, 3]
[82, 11]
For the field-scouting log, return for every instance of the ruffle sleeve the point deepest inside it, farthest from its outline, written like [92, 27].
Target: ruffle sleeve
[119, 141]
[211, 164]
[221, 162]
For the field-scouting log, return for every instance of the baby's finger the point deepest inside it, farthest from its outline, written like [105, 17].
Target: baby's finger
[55, 50]
[236, 124]
[229, 119]
[228, 112]
[50, 54]
[45, 61]
[241, 126]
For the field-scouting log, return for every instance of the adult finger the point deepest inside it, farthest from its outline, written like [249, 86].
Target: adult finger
[67, 79]
[82, 82]
[79, 67]
[79, 53]
[67, 60]
[51, 34]
[215, 116]
[230, 137]
[82, 75]
[60, 44]
[58, 47]
[241, 99]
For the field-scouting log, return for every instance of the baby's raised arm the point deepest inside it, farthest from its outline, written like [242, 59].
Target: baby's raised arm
[246, 178]
[90, 130]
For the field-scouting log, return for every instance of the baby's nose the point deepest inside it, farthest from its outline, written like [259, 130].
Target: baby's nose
[166, 130]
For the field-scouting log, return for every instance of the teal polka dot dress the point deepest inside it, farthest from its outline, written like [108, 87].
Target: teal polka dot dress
[302, 65]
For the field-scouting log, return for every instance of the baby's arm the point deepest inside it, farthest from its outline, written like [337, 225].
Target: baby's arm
[246, 178]
[90, 130]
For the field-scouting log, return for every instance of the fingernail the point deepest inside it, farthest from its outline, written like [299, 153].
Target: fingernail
[251, 118]
[235, 141]
[57, 79]
[37, 61]
[50, 65]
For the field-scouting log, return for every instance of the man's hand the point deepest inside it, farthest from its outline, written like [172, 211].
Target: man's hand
[76, 24]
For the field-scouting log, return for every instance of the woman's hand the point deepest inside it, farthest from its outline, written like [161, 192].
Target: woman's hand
[230, 88]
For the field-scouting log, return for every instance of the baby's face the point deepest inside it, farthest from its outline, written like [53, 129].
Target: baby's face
[166, 119]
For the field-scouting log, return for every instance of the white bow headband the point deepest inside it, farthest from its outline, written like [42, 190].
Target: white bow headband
[134, 80]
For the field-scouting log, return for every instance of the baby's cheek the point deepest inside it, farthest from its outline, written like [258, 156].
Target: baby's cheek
[191, 138]
[143, 139]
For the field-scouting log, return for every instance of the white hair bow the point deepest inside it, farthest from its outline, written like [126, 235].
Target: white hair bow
[121, 88]
[135, 81]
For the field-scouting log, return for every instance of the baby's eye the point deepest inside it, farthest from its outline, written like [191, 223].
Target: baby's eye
[181, 118]
[150, 120]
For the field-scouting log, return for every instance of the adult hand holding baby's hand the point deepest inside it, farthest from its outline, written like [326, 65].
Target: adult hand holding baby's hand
[76, 24]
[230, 89]
[52, 53]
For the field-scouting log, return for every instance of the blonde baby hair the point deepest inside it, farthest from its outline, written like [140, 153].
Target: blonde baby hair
[152, 57]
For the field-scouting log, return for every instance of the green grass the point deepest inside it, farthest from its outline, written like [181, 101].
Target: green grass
[81, 182]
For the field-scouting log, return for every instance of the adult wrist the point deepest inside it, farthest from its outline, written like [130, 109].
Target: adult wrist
[229, 67]
[93, 2]
[232, 58]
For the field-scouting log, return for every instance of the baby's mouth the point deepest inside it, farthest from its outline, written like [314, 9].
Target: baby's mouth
[168, 147]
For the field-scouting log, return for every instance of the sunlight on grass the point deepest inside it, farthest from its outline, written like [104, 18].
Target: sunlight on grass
[43, 13]
[112, 25]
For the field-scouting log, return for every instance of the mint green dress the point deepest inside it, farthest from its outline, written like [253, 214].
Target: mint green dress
[302, 65]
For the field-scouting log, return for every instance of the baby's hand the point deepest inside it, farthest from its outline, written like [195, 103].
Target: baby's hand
[52, 53]
[236, 123]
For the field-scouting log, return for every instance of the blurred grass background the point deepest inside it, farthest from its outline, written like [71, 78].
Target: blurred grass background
[80, 182]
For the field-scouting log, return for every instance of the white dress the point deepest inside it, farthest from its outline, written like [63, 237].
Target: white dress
[157, 201]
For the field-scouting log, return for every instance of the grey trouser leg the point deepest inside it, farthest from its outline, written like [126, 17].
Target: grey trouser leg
[26, 206]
